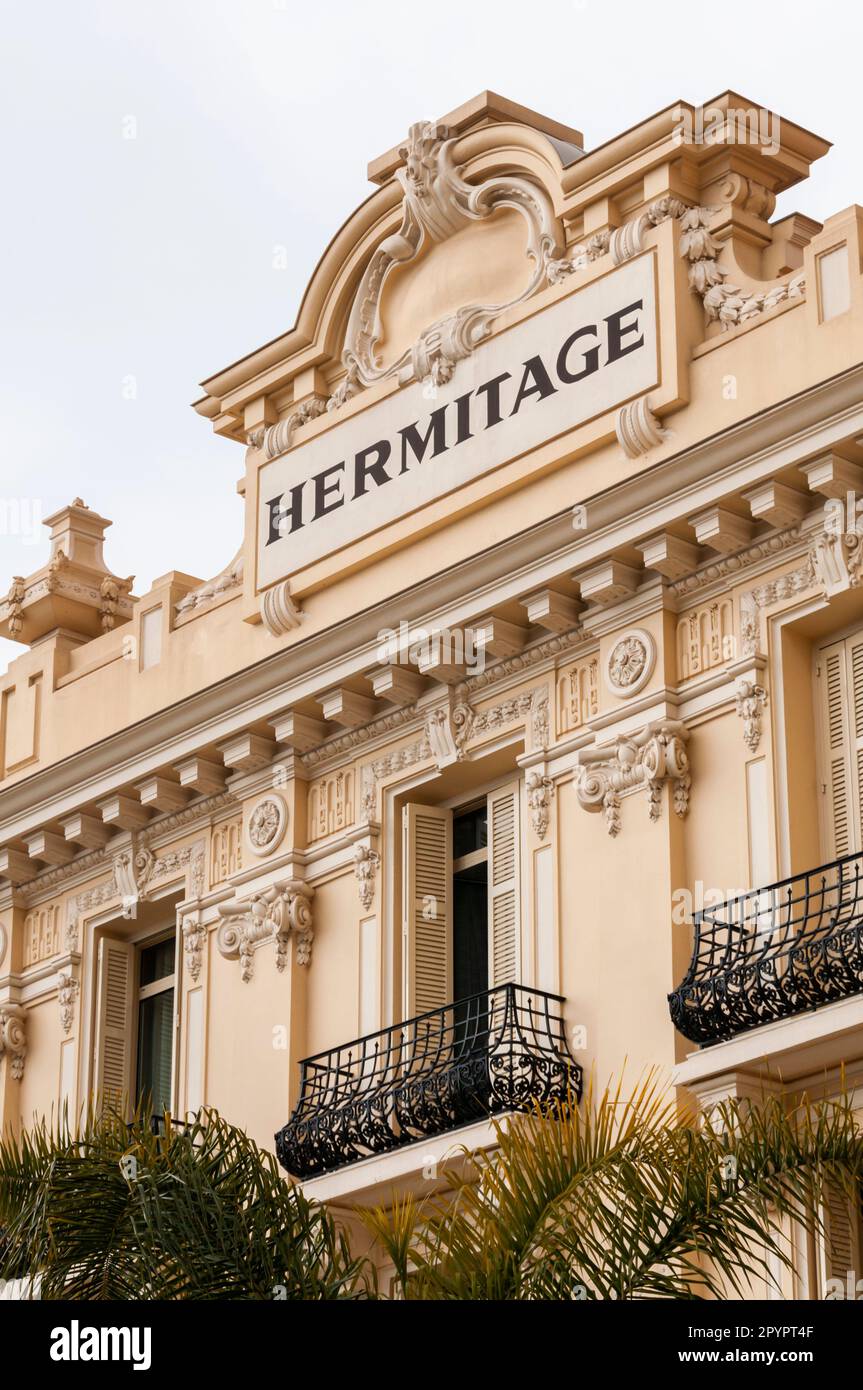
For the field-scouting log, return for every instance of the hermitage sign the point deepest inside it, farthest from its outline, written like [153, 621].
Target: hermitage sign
[586, 354]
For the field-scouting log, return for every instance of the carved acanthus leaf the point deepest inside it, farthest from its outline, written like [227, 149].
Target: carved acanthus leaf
[272, 915]
[366, 863]
[437, 203]
[751, 700]
[650, 758]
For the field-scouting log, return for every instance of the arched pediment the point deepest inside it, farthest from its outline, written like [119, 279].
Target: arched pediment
[466, 226]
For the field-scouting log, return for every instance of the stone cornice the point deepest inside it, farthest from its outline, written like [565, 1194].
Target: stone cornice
[746, 564]
[81, 869]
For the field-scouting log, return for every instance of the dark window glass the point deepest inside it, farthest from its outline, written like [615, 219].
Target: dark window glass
[470, 931]
[470, 832]
[157, 961]
[155, 1035]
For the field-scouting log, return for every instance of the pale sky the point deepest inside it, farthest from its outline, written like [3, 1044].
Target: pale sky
[135, 267]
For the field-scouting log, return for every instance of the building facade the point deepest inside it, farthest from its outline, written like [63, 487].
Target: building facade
[522, 738]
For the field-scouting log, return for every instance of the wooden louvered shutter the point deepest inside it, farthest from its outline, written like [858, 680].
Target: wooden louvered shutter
[114, 1011]
[504, 885]
[854, 686]
[427, 908]
[840, 1239]
[836, 780]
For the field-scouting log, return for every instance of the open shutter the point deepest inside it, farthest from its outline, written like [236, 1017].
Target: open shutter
[840, 1240]
[114, 1001]
[835, 741]
[504, 885]
[427, 908]
[854, 681]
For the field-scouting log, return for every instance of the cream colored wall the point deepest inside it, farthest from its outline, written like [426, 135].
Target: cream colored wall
[39, 1088]
[729, 378]
[618, 953]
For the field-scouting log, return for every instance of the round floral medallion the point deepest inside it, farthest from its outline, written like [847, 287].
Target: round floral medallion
[267, 824]
[630, 662]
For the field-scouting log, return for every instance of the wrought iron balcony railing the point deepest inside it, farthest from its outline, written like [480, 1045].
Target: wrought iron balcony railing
[774, 952]
[504, 1049]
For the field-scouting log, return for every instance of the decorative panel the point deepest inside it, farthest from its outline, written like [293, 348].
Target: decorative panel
[331, 803]
[705, 638]
[578, 694]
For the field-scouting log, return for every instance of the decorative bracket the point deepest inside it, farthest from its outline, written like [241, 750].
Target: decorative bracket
[650, 758]
[13, 1038]
[67, 992]
[751, 701]
[279, 613]
[837, 559]
[268, 916]
[637, 428]
[194, 941]
[366, 863]
[540, 790]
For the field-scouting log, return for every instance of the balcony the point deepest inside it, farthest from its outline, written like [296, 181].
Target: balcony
[773, 953]
[498, 1051]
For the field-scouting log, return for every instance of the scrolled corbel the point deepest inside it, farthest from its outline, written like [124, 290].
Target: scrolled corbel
[13, 1038]
[274, 915]
[651, 758]
[279, 613]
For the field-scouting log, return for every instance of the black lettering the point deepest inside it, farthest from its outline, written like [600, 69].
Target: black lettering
[617, 331]
[280, 515]
[535, 372]
[377, 469]
[491, 391]
[591, 357]
[462, 406]
[410, 435]
[323, 488]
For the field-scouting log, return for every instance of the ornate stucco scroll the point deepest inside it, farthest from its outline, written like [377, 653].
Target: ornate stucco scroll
[437, 203]
[273, 915]
[650, 758]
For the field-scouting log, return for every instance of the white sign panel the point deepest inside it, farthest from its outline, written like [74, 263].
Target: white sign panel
[585, 354]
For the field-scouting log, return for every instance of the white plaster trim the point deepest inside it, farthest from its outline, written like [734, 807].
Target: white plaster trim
[780, 759]
[788, 1041]
[370, 1180]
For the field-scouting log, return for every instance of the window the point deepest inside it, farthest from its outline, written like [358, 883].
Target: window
[155, 1031]
[470, 902]
[839, 1244]
[462, 908]
[135, 1021]
[839, 686]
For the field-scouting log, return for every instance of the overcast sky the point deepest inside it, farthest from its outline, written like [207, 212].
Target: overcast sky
[135, 267]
